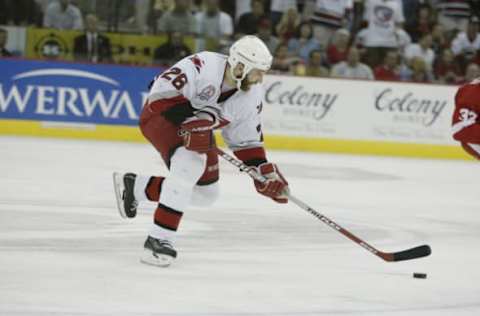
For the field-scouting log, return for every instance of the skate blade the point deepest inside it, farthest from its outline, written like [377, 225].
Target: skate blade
[118, 186]
[158, 260]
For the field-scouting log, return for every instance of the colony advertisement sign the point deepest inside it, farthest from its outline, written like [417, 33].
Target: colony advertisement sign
[360, 110]
[413, 112]
[300, 107]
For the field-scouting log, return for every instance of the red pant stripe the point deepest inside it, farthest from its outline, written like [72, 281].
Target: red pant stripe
[167, 217]
[154, 187]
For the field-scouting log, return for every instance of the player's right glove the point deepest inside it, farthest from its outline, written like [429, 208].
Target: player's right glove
[276, 187]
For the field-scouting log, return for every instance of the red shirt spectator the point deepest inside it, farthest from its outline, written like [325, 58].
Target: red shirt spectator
[389, 69]
[337, 51]
[381, 72]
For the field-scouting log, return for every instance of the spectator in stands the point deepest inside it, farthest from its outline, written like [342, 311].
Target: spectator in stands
[278, 8]
[282, 63]
[403, 39]
[359, 42]
[173, 50]
[453, 15]
[420, 71]
[410, 11]
[156, 9]
[338, 48]
[92, 46]
[423, 24]
[63, 15]
[315, 66]
[3, 42]
[472, 72]
[439, 39]
[352, 68]
[383, 18]
[327, 17]
[242, 7]
[404, 70]
[288, 24]
[20, 12]
[422, 49]
[179, 19]
[466, 45]
[389, 70]
[214, 27]
[5, 15]
[142, 8]
[446, 70]
[357, 17]
[265, 34]
[303, 42]
[248, 22]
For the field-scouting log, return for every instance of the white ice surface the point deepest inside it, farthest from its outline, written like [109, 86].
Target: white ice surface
[64, 250]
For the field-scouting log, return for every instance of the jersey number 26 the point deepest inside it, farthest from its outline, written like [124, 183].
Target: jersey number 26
[179, 78]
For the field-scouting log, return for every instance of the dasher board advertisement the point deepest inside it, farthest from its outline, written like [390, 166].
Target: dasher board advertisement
[359, 110]
[70, 92]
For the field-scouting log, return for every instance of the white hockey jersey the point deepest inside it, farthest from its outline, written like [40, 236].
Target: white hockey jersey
[199, 78]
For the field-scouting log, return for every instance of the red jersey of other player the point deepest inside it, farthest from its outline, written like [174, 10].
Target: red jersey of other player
[466, 117]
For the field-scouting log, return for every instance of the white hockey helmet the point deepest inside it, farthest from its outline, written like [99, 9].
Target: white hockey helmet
[252, 53]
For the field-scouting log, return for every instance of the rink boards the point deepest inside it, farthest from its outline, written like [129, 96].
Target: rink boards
[103, 102]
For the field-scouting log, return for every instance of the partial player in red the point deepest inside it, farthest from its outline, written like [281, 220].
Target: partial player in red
[197, 95]
[466, 117]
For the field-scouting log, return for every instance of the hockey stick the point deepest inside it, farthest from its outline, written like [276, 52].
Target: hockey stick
[413, 253]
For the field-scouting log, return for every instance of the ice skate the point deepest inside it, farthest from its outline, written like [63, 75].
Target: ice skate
[158, 252]
[126, 202]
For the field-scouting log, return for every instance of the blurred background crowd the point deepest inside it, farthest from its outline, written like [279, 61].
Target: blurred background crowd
[426, 41]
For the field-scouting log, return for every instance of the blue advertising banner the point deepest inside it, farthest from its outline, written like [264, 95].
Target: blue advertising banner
[69, 92]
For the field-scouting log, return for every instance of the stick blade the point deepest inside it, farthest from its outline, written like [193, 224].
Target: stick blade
[413, 253]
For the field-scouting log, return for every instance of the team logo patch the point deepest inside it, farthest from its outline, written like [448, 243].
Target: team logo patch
[207, 93]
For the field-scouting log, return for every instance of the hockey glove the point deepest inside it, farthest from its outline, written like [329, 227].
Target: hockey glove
[276, 187]
[198, 133]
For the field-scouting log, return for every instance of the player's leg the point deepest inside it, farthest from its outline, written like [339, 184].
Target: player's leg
[130, 188]
[206, 192]
[205, 195]
[193, 178]
[176, 191]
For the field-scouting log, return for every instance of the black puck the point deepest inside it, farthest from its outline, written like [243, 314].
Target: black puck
[420, 275]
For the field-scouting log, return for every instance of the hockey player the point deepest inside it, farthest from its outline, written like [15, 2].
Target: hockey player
[466, 117]
[200, 93]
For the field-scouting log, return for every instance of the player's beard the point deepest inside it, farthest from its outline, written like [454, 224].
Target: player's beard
[246, 84]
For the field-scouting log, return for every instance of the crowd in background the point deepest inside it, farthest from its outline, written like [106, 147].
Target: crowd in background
[400, 40]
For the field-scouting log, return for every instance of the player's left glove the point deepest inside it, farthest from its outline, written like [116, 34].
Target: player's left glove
[198, 133]
[276, 187]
